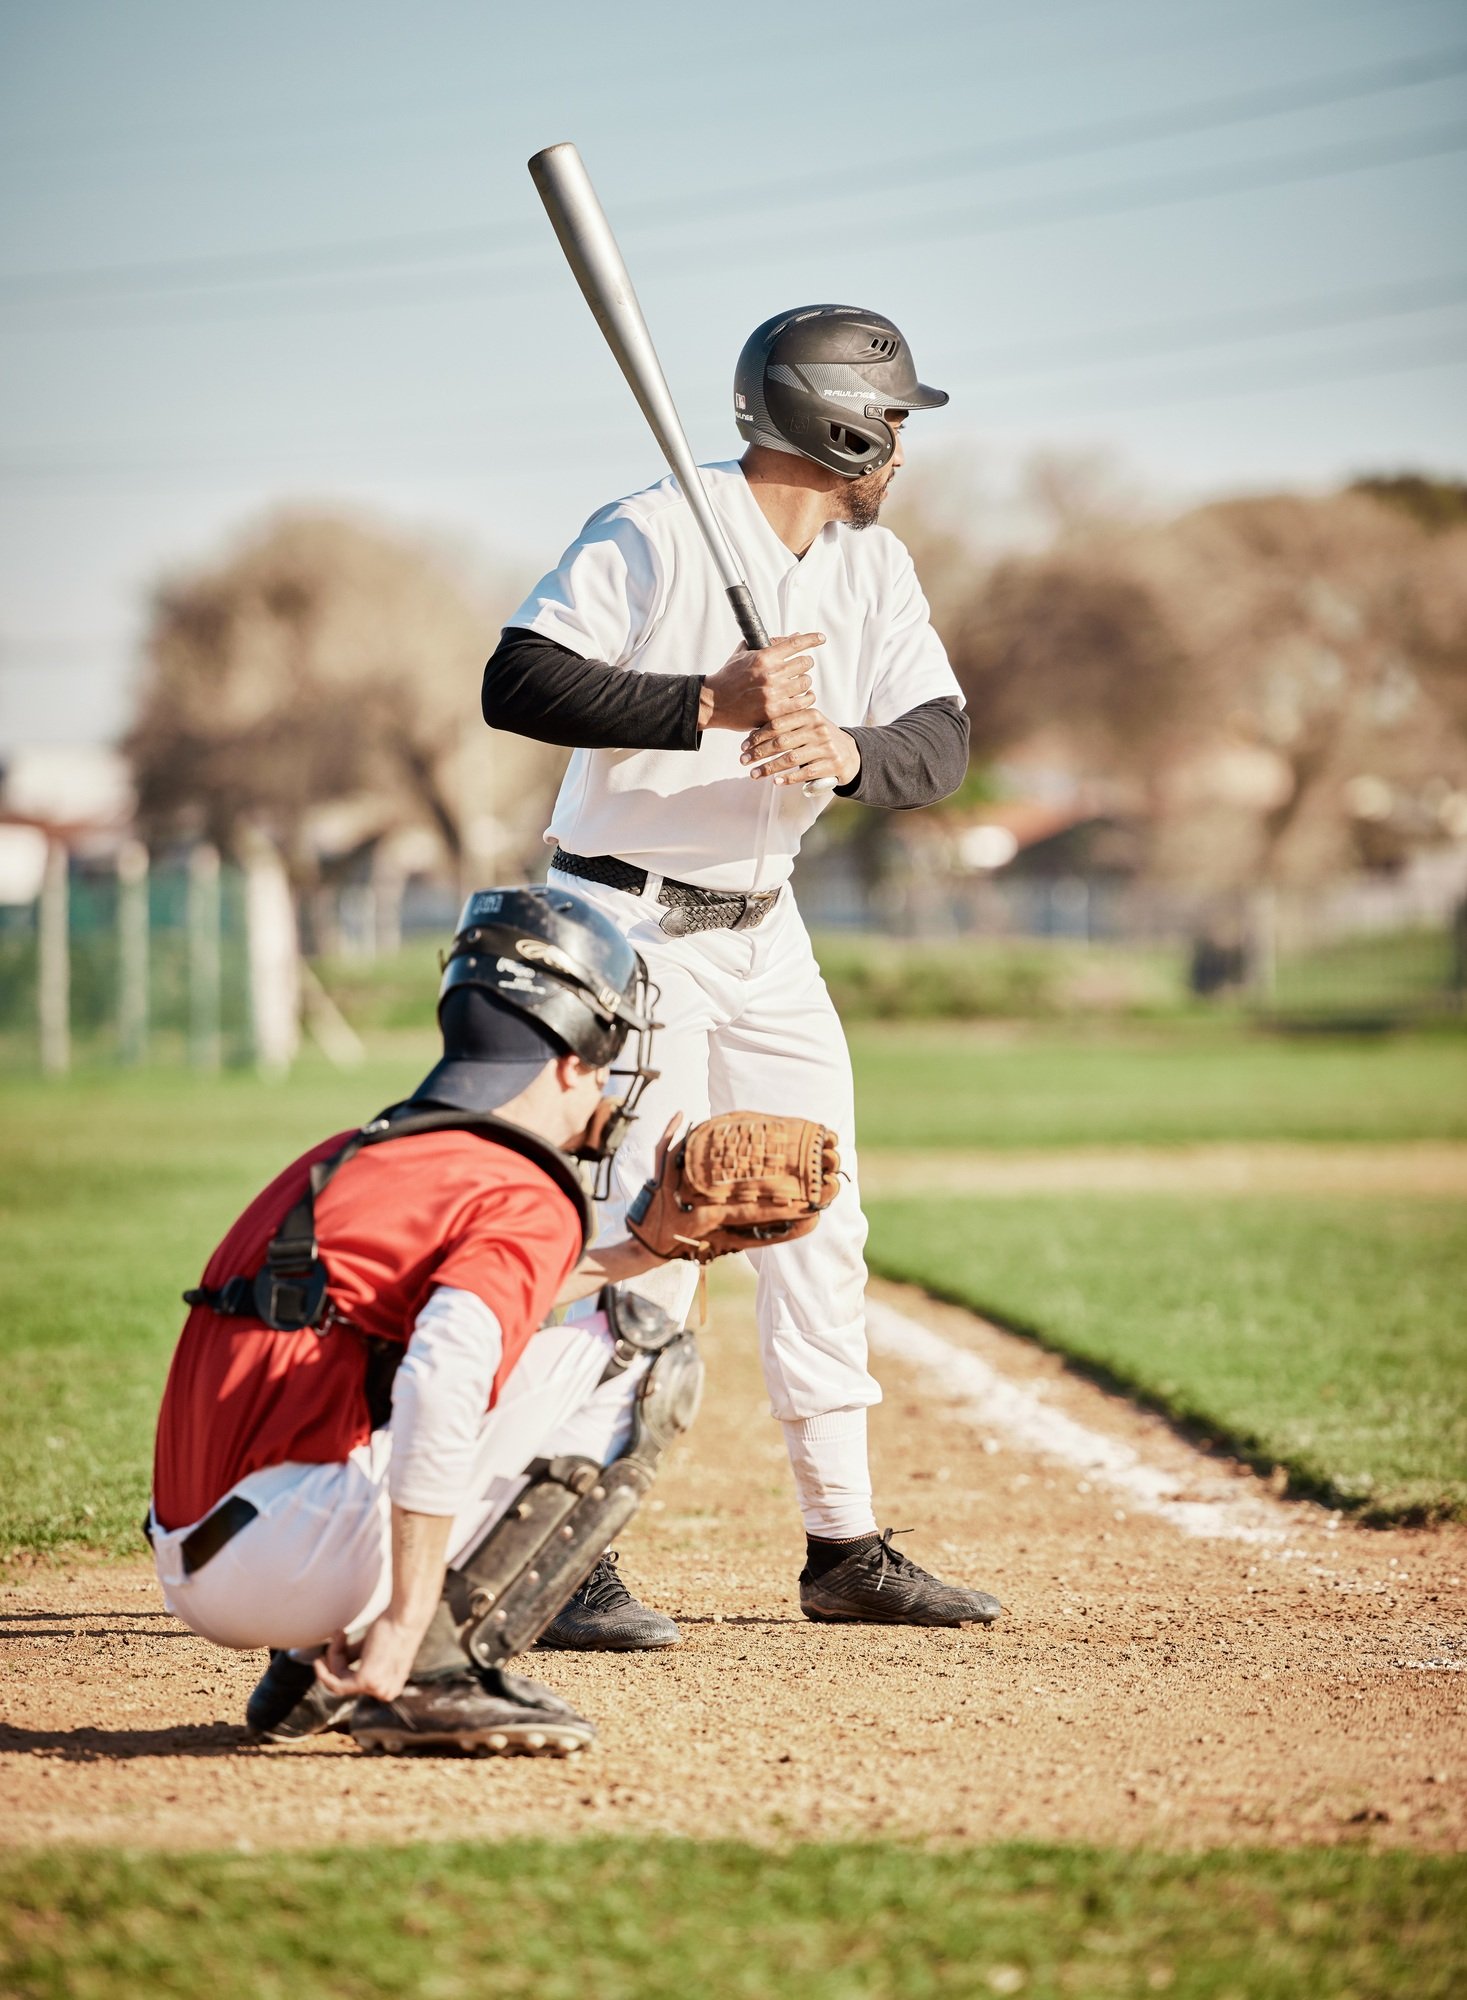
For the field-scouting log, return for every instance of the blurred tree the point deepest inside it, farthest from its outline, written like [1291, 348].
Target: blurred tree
[1435, 503]
[1068, 642]
[321, 685]
[1282, 679]
[1319, 635]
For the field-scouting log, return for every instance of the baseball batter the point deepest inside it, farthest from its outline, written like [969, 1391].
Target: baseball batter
[371, 1447]
[694, 777]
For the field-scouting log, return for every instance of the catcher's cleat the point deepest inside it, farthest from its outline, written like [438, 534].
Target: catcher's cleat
[604, 1617]
[880, 1586]
[480, 1713]
[290, 1704]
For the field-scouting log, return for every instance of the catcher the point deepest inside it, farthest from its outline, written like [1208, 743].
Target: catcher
[373, 1456]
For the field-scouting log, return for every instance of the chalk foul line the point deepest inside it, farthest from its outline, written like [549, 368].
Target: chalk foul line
[1020, 1415]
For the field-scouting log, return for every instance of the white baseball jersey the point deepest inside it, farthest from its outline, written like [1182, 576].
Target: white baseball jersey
[638, 590]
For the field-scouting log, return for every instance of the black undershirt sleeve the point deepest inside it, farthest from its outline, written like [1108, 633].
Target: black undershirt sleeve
[536, 687]
[914, 761]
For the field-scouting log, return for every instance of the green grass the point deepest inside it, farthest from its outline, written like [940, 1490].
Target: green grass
[879, 978]
[1389, 975]
[1327, 1336]
[965, 979]
[114, 1187]
[112, 1193]
[870, 978]
[1182, 1083]
[662, 1920]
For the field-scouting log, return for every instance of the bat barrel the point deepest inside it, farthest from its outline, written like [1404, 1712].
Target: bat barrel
[585, 235]
[579, 221]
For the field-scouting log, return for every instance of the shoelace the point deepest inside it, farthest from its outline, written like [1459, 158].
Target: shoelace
[603, 1589]
[892, 1559]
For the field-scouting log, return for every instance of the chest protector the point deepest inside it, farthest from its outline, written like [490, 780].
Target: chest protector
[290, 1289]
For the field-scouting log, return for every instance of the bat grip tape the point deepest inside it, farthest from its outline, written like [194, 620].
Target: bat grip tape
[754, 635]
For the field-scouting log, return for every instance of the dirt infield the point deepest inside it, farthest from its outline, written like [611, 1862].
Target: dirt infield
[1190, 1675]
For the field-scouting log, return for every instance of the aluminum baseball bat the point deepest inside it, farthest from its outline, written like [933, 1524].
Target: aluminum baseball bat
[579, 221]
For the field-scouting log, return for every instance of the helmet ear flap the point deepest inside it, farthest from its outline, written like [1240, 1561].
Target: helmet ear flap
[850, 444]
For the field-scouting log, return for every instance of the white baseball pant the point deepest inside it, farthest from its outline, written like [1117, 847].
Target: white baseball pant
[317, 1559]
[747, 1024]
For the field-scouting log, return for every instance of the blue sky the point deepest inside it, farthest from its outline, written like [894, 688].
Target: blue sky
[291, 252]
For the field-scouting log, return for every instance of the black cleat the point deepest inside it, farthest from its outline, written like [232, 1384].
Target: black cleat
[289, 1703]
[483, 1712]
[604, 1617]
[880, 1586]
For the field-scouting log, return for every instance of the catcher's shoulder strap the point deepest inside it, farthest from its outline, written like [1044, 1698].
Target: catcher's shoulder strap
[289, 1291]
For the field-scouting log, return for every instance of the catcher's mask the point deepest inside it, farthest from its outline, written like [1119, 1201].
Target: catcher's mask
[549, 957]
[822, 381]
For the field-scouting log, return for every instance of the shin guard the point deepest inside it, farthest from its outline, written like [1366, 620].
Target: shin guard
[508, 1589]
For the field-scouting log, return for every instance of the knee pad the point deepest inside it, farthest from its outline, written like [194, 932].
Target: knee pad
[505, 1593]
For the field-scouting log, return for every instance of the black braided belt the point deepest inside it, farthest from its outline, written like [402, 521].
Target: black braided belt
[688, 907]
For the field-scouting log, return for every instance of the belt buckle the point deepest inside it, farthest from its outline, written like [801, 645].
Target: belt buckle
[756, 909]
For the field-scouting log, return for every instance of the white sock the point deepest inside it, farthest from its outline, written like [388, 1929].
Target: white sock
[832, 1476]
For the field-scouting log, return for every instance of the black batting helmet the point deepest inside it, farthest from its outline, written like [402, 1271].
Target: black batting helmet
[819, 381]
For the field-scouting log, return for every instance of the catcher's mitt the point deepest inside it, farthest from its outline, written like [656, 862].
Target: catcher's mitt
[739, 1180]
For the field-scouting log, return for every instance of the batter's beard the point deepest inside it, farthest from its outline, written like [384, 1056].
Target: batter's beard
[863, 498]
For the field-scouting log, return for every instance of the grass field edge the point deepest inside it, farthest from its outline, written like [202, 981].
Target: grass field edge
[1293, 1478]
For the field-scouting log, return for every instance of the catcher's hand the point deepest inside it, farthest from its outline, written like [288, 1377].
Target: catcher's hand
[738, 1181]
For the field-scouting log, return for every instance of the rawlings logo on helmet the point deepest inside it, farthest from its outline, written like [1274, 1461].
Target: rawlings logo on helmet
[559, 961]
[548, 954]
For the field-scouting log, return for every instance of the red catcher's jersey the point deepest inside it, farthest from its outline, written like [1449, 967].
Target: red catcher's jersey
[442, 1208]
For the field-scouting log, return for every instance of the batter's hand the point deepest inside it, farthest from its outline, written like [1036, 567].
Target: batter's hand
[760, 687]
[800, 748]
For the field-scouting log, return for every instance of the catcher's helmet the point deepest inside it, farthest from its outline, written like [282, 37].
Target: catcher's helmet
[550, 954]
[818, 381]
[550, 957]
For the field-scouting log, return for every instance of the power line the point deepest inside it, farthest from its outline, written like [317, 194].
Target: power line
[1306, 374]
[1014, 215]
[1242, 177]
[1001, 365]
[1106, 135]
[1213, 329]
[1149, 41]
[1288, 372]
[413, 249]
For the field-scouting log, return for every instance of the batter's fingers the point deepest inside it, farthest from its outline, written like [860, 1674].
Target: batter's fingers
[786, 710]
[796, 708]
[801, 756]
[781, 673]
[784, 734]
[796, 642]
[823, 767]
[802, 764]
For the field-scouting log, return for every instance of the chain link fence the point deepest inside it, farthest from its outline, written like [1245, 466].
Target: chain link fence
[118, 960]
[1360, 953]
